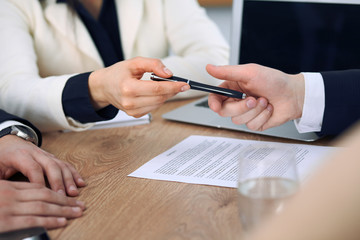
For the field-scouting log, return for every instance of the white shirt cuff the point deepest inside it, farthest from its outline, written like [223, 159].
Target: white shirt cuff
[314, 104]
[10, 123]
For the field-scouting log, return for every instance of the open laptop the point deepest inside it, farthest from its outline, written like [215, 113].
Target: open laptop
[290, 35]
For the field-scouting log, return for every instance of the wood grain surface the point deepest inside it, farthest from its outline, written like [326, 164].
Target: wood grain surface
[121, 207]
[209, 3]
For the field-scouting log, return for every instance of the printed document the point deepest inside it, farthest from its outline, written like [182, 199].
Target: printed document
[214, 161]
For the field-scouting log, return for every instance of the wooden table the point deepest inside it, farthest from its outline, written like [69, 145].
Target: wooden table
[121, 207]
[215, 3]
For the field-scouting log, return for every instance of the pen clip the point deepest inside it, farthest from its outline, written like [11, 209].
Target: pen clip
[171, 79]
[157, 78]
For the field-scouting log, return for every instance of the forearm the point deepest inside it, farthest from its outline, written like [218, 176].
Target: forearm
[79, 104]
[342, 105]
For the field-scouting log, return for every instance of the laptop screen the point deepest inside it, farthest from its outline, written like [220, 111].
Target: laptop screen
[297, 35]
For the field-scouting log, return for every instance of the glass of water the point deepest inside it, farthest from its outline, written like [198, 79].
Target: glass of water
[267, 179]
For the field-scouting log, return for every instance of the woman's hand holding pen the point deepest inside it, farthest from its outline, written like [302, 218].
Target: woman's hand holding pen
[120, 85]
[275, 97]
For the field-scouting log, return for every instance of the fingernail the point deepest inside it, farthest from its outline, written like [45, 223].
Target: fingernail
[76, 209]
[80, 203]
[269, 108]
[72, 188]
[250, 103]
[263, 102]
[61, 192]
[61, 221]
[167, 71]
[81, 181]
[185, 88]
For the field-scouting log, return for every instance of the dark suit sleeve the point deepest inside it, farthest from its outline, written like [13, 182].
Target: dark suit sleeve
[342, 101]
[4, 116]
[77, 103]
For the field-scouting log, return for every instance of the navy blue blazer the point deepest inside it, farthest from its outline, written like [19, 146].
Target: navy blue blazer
[4, 116]
[342, 100]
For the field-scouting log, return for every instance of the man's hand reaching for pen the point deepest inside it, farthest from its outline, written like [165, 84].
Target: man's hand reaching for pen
[273, 98]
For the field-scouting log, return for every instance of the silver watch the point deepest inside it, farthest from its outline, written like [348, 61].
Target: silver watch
[23, 132]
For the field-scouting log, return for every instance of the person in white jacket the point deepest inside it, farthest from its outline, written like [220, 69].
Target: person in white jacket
[65, 66]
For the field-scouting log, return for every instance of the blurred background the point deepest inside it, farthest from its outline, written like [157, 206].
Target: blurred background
[220, 12]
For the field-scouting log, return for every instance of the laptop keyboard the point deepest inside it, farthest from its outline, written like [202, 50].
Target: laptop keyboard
[203, 104]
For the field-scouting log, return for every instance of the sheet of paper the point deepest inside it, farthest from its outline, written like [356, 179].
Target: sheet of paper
[122, 120]
[213, 161]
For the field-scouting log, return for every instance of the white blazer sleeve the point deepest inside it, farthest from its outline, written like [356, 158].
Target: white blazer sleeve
[195, 41]
[23, 92]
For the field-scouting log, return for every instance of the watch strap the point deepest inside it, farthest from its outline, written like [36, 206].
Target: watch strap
[5, 131]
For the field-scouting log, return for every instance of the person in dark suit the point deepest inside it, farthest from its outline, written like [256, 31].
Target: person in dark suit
[326, 103]
[31, 204]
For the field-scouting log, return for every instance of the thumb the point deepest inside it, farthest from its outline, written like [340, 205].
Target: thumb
[237, 73]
